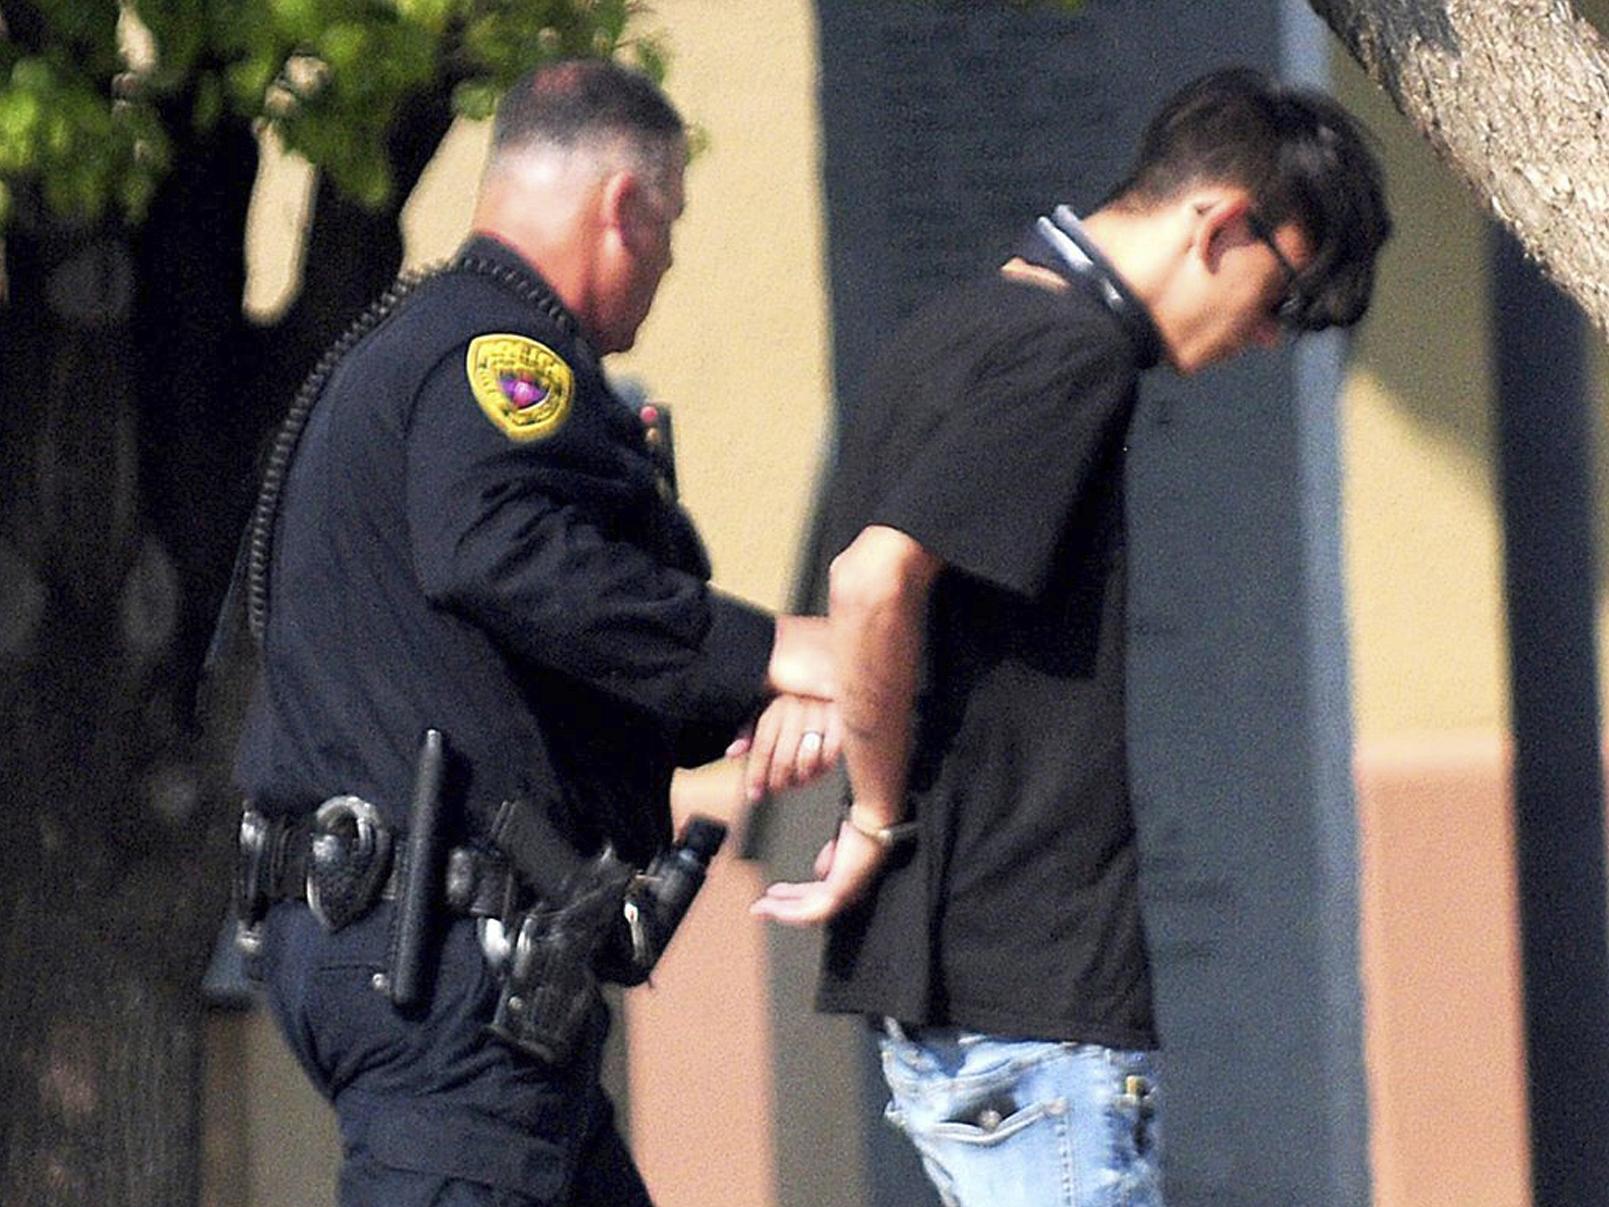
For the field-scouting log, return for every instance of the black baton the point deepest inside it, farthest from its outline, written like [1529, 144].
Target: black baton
[416, 904]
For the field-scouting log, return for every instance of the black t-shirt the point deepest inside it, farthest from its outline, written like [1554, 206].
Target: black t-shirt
[993, 432]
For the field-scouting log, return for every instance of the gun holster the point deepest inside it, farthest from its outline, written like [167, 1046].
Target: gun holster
[659, 899]
[595, 919]
[549, 986]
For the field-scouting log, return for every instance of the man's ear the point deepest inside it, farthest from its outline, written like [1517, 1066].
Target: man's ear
[628, 210]
[1219, 223]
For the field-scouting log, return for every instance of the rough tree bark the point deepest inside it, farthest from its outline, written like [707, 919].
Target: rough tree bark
[1514, 97]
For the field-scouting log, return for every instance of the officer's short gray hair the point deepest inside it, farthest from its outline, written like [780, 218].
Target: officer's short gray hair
[581, 103]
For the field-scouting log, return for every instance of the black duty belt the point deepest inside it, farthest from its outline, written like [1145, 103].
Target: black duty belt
[343, 859]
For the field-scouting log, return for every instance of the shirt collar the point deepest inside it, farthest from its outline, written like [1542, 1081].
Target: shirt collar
[1060, 243]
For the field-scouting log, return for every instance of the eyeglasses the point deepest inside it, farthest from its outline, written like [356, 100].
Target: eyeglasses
[1288, 309]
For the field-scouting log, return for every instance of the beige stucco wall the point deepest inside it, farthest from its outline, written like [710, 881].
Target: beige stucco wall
[738, 346]
[1423, 571]
[1422, 531]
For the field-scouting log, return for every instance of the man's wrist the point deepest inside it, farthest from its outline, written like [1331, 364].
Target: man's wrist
[885, 834]
[801, 658]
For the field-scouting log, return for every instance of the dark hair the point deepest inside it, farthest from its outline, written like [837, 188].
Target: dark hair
[578, 100]
[1301, 156]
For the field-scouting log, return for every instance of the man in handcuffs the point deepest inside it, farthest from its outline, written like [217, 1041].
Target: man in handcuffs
[980, 895]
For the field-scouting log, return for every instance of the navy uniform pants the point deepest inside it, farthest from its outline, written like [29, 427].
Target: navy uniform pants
[432, 1109]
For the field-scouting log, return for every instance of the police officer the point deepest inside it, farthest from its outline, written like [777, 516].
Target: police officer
[464, 532]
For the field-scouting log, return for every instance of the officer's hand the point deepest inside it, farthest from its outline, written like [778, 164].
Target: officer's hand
[796, 739]
[801, 658]
[845, 868]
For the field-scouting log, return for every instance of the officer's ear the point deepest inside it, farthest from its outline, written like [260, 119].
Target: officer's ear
[629, 210]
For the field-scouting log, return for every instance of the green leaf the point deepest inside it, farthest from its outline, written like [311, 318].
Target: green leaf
[209, 102]
[33, 74]
[476, 99]
[249, 80]
[430, 14]
[651, 56]
[299, 20]
[343, 46]
[94, 131]
[19, 120]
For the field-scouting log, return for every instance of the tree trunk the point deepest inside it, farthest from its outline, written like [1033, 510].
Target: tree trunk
[134, 398]
[1514, 96]
[103, 1052]
[113, 830]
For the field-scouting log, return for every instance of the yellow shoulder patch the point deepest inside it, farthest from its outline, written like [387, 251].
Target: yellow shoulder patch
[523, 386]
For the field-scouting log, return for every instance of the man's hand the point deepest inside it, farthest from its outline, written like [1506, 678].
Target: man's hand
[801, 658]
[878, 596]
[795, 740]
[845, 869]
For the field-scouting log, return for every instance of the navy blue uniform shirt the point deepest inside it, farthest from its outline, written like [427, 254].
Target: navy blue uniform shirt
[473, 537]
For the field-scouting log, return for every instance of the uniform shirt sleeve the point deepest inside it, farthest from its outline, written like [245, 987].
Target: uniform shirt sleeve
[532, 543]
[985, 474]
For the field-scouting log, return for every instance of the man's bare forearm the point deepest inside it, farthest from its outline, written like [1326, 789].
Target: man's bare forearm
[878, 612]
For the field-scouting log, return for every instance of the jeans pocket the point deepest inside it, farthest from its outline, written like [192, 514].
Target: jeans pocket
[987, 1127]
[981, 1157]
[1014, 1123]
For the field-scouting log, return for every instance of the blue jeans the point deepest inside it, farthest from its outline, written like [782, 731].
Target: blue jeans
[1027, 1123]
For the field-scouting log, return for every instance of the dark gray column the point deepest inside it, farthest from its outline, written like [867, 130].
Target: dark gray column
[946, 128]
[1545, 453]
[1241, 732]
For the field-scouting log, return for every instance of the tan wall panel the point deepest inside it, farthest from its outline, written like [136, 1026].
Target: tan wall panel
[1423, 541]
[738, 347]
[225, 1154]
[1423, 547]
[1441, 967]
[702, 1119]
[738, 342]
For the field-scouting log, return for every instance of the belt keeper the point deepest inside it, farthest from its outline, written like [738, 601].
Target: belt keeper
[462, 879]
[253, 884]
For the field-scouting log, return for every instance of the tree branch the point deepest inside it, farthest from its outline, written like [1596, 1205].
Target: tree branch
[352, 252]
[1515, 98]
